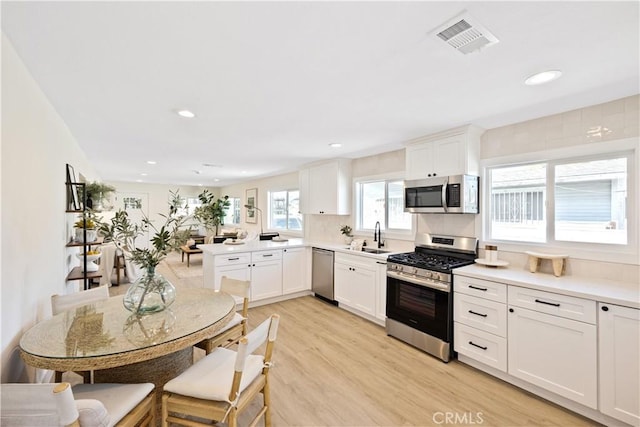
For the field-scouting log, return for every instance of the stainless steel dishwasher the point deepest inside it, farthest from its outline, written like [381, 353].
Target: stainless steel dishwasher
[322, 274]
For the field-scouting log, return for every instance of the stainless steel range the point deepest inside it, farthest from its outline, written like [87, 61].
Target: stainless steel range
[420, 291]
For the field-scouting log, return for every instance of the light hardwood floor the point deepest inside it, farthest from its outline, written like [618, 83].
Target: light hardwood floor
[333, 368]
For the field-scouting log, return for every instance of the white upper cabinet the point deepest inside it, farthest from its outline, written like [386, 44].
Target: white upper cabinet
[453, 152]
[326, 188]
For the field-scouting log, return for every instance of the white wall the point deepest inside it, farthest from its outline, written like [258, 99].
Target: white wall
[601, 123]
[36, 146]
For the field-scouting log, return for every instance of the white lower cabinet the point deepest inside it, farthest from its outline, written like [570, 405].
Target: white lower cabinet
[355, 283]
[381, 290]
[294, 270]
[262, 268]
[480, 321]
[554, 353]
[619, 349]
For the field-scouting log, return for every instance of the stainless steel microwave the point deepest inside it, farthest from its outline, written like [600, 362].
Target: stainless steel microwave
[449, 194]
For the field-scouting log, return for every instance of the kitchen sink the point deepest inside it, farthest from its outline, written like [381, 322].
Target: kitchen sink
[375, 251]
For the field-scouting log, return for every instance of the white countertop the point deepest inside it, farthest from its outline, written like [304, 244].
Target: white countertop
[251, 246]
[263, 245]
[608, 291]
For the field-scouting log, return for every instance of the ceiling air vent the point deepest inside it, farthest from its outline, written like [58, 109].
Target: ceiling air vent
[465, 35]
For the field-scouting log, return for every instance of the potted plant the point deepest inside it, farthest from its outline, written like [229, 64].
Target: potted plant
[151, 292]
[97, 194]
[346, 231]
[211, 212]
[86, 220]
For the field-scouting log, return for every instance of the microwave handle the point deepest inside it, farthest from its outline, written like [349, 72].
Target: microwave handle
[444, 194]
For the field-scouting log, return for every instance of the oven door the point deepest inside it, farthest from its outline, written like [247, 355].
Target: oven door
[420, 307]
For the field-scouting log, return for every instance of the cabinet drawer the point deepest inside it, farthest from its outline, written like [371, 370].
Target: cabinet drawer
[480, 288]
[266, 255]
[355, 260]
[481, 346]
[232, 259]
[565, 306]
[489, 316]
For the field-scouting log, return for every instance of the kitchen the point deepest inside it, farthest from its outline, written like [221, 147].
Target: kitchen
[564, 129]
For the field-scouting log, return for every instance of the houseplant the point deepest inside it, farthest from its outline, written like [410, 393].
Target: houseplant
[211, 212]
[151, 292]
[97, 194]
[86, 220]
[346, 231]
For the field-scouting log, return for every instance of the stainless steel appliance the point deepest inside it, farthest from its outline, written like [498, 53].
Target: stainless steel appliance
[449, 194]
[322, 274]
[420, 291]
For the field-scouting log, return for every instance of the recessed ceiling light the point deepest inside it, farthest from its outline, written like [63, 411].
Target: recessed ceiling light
[216, 180]
[138, 180]
[543, 77]
[243, 172]
[143, 174]
[186, 114]
[151, 162]
[335, 145]
[199, 185]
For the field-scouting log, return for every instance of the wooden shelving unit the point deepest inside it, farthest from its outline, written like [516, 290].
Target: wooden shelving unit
[76, 196]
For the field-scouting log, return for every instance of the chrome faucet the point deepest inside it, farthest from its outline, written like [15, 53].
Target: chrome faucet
[377, 236]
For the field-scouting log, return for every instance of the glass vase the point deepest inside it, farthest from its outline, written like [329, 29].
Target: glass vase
[151, 293]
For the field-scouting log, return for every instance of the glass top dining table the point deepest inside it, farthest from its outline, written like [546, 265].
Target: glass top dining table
[105, 335]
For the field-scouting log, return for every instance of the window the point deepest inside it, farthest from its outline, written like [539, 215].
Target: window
[383, 201]
[569, 200]
[232, 214]
[284, 210]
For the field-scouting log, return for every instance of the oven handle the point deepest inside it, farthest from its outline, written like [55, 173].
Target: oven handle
[424, 284]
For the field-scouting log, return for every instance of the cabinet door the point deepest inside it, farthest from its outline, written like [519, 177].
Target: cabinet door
[381, 290]
[342, 290]
[619, 350]
[294, 270]
[239, 272]
[364, 290]
[419, 161]
[266, 279]
[449, 156]
[554, 353]
[323, 189]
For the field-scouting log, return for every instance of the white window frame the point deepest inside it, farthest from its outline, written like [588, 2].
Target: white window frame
[624, 254]
[288, 231]
[231, 207]
[367, 233]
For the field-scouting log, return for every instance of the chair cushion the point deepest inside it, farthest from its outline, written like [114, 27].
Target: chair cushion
[118, 399]
[211, 377]
[92, 413]
[237, 319]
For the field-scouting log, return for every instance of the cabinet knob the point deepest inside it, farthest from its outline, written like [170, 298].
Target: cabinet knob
[511, 310]
[605, 308]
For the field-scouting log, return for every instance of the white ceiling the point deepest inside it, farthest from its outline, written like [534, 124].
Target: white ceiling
[273, 83]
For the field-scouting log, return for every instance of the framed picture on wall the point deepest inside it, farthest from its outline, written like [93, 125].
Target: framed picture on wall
[251, 200]
[73, 199]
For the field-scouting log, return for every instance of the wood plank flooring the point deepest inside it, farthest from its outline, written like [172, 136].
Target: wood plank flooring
[333, 368]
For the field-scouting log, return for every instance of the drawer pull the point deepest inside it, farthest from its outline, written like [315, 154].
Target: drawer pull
[476, 345]
[477, 314]
[267, 255]
[548, 303]
[232, 259]
[479, 289]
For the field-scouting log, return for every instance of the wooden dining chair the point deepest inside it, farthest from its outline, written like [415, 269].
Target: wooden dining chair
[237, 327]
[222, 384]
[61, 303]
[50, 404]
